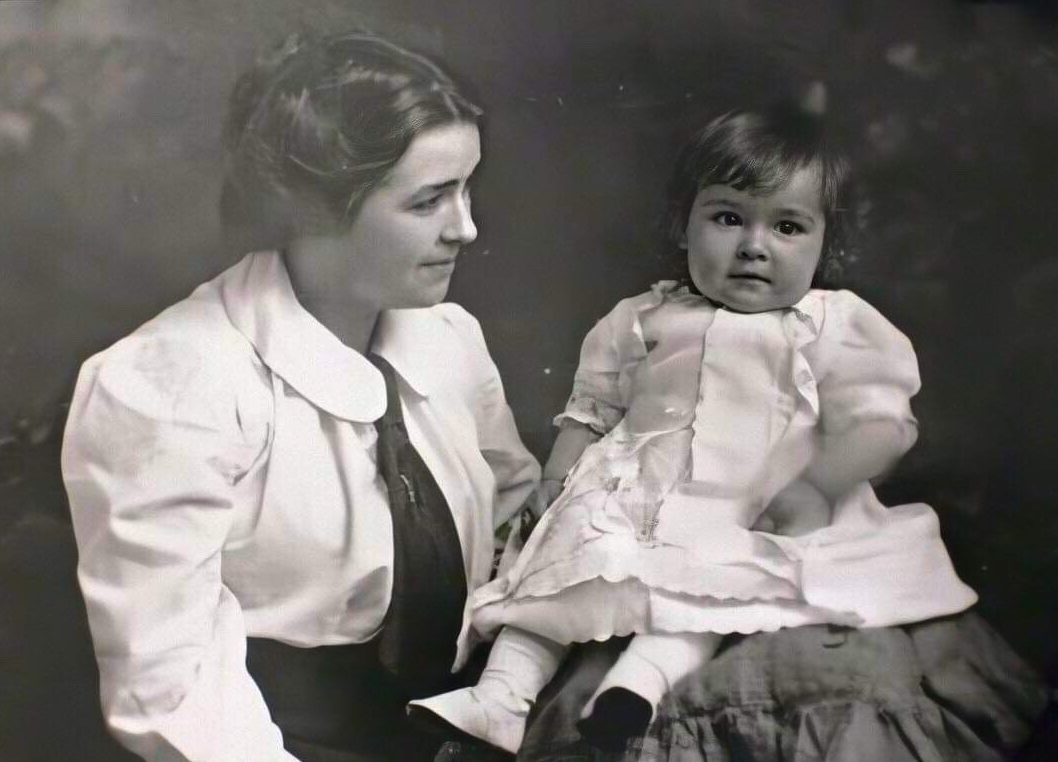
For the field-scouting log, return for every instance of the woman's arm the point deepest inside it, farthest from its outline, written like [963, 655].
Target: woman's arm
[515, 470]
[148, 471]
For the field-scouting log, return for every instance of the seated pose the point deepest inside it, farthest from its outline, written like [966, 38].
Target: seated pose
[703, 411]
[284, 486]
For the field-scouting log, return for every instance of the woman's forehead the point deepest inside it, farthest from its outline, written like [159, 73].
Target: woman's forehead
[437, 156]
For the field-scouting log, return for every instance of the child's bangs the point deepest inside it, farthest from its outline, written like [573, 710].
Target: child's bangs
[755, 169]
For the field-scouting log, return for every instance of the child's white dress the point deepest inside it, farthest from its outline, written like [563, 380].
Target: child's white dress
[706, 412]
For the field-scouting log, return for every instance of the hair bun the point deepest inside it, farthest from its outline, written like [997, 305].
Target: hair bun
[252, 87]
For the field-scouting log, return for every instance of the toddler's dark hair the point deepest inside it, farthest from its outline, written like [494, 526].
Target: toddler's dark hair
[319, 123]
[758, 151]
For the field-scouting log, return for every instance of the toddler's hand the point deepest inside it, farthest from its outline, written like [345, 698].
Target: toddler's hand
[765, 523]
[799, 508]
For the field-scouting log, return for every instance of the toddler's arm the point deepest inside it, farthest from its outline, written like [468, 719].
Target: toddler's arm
[573, 438]
[841, 461]
[867, 450]
[866, 423]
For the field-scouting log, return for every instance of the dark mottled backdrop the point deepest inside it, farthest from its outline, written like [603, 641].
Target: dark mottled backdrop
[109, 174]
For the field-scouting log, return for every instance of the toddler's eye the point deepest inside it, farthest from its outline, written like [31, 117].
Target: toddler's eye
[727, 219]
[786, 227]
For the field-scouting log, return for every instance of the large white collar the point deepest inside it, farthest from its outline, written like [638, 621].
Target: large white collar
[260, 302]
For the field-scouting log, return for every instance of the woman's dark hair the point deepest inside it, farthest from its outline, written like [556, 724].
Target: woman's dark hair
[758, 151]
[318, 123]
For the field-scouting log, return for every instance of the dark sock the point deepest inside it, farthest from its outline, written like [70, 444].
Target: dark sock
[619, 714]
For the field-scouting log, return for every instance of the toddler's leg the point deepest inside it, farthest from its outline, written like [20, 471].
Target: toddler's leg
[520, 664]
[624, 704]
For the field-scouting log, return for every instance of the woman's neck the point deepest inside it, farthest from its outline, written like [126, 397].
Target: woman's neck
[350, 320]
[353, 327]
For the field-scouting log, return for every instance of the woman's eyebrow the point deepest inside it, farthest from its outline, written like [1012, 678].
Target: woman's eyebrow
[429, 189]
[435, 187]
[439, 186]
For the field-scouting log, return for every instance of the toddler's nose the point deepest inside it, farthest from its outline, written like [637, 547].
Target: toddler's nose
[752, 245]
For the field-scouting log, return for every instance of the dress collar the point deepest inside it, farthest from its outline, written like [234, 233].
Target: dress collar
[809, 310]
[260, 302]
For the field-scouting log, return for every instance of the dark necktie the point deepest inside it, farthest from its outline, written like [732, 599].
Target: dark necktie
[418, 640]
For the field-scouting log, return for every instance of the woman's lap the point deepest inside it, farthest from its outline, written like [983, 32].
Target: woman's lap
[941, 690]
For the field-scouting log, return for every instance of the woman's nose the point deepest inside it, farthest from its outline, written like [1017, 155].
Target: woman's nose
[753, 245]
[460, 227]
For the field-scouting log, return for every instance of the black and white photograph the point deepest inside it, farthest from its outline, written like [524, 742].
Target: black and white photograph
[528, 380]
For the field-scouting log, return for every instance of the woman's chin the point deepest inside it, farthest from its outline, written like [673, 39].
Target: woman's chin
[421, 299]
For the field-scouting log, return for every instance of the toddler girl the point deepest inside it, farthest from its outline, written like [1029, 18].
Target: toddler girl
[704, 411]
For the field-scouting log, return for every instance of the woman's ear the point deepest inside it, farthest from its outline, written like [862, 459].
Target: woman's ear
[682, 243]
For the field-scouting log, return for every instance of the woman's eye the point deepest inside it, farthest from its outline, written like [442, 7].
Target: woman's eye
[786, 227]
[426, 205]
[727, 219]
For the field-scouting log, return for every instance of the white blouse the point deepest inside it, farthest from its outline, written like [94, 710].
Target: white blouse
[220, 466]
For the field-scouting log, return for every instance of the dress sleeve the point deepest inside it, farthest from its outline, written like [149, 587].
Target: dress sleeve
[515, 470]
[149, 459]
[596, 399]
[871, 373]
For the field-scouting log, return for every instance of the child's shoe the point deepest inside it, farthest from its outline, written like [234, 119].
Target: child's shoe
[489, 718]
[617, 714]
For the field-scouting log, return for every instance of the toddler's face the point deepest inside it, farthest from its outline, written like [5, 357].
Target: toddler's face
[756, 251]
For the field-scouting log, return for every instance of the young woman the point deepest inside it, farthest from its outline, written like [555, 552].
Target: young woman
[283, 482]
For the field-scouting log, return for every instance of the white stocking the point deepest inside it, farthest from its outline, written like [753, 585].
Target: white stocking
[520, 665]
[652, 664]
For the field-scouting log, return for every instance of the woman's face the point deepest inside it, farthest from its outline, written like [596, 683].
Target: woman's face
[402, 246]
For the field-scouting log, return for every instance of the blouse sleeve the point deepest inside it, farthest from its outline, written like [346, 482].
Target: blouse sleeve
[871, 373]
[149, 459]
[515, 470]
[596, 397]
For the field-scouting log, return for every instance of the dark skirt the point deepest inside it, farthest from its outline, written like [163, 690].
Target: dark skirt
[944, 690]
[337, 703]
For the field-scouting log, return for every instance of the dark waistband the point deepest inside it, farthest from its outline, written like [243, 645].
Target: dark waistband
[334, 695]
